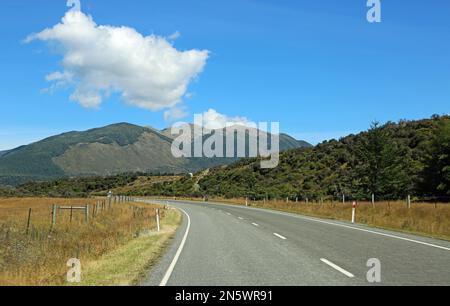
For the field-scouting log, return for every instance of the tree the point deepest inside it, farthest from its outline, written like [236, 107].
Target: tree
[383, 167]
[436, 173]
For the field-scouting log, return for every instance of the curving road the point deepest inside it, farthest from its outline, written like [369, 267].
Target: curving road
[223, 245]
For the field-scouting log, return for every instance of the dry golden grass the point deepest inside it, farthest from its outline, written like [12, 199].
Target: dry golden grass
[40, 257]
[426, 219]
[128, 264]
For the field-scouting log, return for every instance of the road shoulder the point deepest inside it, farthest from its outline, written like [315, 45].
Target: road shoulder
[129, 264]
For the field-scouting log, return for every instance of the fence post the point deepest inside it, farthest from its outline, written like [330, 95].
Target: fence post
[408, 201]
[71, 213]
[343, 198]
[28, 221]
[54, 211]
[157, 220]
[86, 213]
[373, 200]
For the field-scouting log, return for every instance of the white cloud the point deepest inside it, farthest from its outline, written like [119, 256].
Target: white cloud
[215, 120]
[175, 113]
[98, 60]
[175, 36]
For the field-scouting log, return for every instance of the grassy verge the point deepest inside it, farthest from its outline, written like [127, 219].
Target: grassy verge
[39, 255]
[128, 264]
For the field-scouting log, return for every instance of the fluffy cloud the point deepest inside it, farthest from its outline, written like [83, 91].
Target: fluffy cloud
[214, 120]
[175, 113]
[98, 60]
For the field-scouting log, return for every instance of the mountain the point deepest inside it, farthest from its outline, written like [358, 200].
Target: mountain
[109, 150]
[3, 153]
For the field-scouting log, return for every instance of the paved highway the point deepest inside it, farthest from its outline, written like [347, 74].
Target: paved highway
[224, 245]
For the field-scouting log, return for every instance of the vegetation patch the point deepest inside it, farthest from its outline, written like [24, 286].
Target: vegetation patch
[36, 253]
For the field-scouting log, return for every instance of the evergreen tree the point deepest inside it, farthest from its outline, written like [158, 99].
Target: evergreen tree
[436, 174]
[383, 168]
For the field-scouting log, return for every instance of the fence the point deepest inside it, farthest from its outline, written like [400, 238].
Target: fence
[88, 211]
[409, 200]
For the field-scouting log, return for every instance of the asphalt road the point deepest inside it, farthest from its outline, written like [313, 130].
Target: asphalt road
[223, 245]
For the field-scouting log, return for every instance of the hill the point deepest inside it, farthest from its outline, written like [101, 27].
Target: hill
[106, 151]
[391, 161]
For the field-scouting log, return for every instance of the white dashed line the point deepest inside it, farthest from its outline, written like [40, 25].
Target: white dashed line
[336, 267]
[240, 218]
[255, 224]
[279, 236]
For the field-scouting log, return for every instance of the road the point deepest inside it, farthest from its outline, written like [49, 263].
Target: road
[224, 245]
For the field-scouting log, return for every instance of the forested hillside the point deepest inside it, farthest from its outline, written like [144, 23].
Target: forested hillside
[391, 161]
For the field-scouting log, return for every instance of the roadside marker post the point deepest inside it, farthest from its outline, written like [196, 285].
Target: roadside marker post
[353, 212]
[157, 220]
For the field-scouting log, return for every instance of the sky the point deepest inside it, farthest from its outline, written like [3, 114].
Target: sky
[316, 66]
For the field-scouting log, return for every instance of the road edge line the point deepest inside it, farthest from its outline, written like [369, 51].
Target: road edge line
[174, 262]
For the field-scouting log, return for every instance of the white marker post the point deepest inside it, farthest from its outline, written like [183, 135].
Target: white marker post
[353, 212]
[157, 220]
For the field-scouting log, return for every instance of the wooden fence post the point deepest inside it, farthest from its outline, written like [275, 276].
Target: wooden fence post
[71, 213]
[28, 221]
[86, 213]
[54, 211]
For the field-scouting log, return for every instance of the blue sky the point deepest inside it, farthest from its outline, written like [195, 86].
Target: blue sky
[318, 67]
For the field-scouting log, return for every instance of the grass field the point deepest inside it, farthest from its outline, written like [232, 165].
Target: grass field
[39, 257]
[432, 220]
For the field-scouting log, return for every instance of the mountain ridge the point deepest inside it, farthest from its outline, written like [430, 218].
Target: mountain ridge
[112, 149]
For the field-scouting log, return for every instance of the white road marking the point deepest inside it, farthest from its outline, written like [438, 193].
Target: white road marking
[240, 218]
[279, 236]
[169, 272]
[336, 267]
[255, 224]
[228, 214]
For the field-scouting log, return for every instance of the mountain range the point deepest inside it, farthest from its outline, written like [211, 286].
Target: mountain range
[109, 150]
